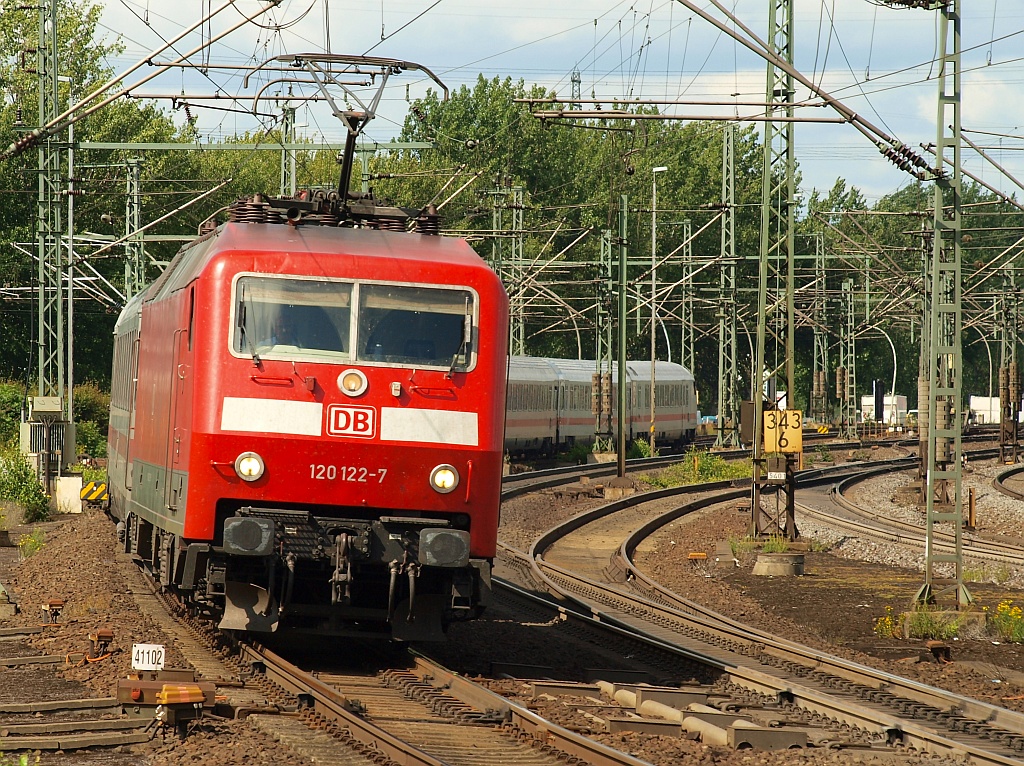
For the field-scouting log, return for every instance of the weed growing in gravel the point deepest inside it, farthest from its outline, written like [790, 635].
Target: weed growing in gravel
[775, 544]
[814, 545]
[824, 453]
[925, 623]
[697, 467]
[890, 625]
[22, 760]
[982, 573]
[1007, 622]
[742, 547]
[976, 574]
[31, 543]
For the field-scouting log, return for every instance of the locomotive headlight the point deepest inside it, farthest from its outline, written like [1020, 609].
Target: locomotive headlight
[444, 478]
[352, 382]
[249, 466]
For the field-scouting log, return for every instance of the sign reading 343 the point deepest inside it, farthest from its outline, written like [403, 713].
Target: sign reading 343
[784, 431]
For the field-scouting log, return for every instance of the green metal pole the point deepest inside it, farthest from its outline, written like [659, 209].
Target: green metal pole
[621, 375]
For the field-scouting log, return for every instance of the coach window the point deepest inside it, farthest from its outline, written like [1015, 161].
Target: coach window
[416, 326]
[279, 317]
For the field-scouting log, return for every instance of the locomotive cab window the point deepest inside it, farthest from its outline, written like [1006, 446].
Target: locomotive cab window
[282, 317]
[415, 326]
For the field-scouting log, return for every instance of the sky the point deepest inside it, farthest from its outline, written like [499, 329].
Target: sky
[877, 59]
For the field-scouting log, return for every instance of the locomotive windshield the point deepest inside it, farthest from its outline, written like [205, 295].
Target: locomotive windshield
[276, 316]
[404, 325]
[415, 325]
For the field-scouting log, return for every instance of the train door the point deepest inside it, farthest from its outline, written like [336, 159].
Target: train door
[134, 347]
[180, 415]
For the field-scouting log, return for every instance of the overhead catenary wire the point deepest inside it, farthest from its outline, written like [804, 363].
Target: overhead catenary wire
[80, 111]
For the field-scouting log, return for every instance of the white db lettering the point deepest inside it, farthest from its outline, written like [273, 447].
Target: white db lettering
[346, 420]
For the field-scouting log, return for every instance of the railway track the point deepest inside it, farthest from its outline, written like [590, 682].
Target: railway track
[423, 715]
[871, 525]
[572, 561]
[1010, 482]
[403, 710]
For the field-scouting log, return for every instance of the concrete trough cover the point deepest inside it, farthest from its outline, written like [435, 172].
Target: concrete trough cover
[677, 698]
[656, 726]
[518, 670]
[779, 564]
[538, 688]
[750, 735]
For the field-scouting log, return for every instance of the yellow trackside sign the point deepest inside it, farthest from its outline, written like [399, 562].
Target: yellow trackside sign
[784, 431]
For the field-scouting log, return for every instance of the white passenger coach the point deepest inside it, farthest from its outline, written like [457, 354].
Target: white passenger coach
[549, 403]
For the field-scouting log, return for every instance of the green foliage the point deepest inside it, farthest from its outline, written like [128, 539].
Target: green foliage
[697, 467]
[92, 403]
[11, 398]
[89, 439]
[642, 448]
[20, 760]
[578, 453]
[18, 484]
[98, 475]
[824, 453]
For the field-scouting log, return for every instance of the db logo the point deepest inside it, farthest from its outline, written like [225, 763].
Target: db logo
[346, 420]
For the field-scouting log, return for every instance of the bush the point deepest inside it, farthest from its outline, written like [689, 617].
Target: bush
[12, 395]
[640, 448]
[89, 439]
[92, 404]
[18, 483]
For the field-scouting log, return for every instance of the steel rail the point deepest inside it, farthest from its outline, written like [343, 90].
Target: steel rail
[331, 704]
[999, 482]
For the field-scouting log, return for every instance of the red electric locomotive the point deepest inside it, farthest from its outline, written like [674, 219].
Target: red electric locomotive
[307, 420]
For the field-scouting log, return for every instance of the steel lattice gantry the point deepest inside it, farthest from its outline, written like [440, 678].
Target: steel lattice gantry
[944, 500]
[775, 315]
[134, 246]
[819, 371]
[846, 371]
[1009, 371]
[728, 374]
[50, 329]
[509, 268]
[601, 387]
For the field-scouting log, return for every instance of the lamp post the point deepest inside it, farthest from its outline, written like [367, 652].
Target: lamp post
[654, 284]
